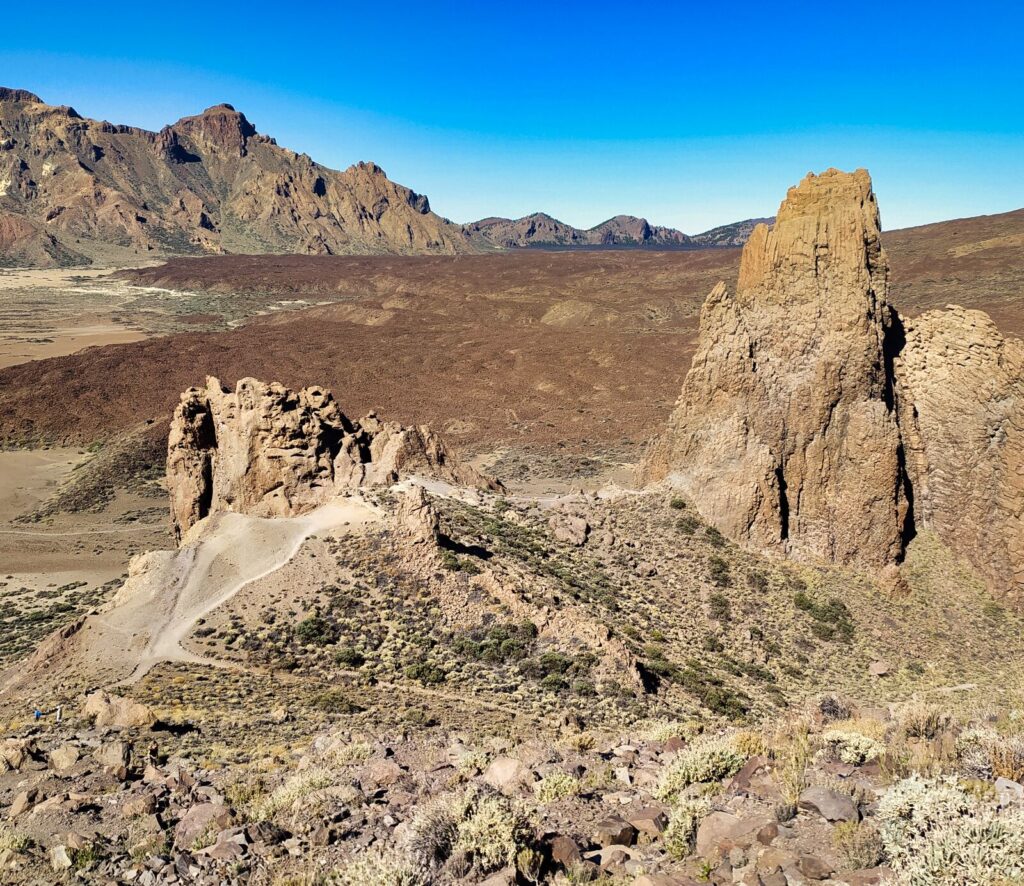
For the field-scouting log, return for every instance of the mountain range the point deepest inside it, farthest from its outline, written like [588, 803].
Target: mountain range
[74, 191]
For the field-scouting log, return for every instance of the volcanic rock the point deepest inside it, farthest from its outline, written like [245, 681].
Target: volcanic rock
[267, 451]
[961, 397]
[785, 436]
[72, 189]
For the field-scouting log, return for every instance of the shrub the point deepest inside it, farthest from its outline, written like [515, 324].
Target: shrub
[677, 504]
[851, 747]
[719, 606]
[425, 673]
[714, 537]
[349, 657]
[296, 788]
[316, 630]
[493, 831]
[914, 807]
[709, 759]
[488, 826]
[832, 708]
[663, 730]
[858, 843]
[687, 524]
[13, 840]
[376, 867]
[682, 827]
[936, 832]
[832, 619]
[556, 786]
[921, 720]
[334, 701]
[984, 753]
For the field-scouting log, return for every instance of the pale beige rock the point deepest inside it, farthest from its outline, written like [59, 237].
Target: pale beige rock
[961, 396]
[267, 451]
[785, 436]
[121, 713]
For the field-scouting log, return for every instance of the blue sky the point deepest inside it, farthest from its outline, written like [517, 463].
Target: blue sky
[692, 115]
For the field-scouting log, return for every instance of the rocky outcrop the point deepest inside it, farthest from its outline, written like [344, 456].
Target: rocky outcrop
[785, 435]
[961, 392]
[816, 422]
[88, 189]
[265, 450]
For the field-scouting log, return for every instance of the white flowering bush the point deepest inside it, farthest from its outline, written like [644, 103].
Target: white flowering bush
[683, 821]
[490, 827]
[709, 759]
[851, 747]
[556, 786]
[379, 868]
[935, 833]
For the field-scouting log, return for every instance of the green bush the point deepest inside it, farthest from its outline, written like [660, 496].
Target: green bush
[719, 607]
[677, 504]
[349, 657]
[426, 673]
[317, 631]
[687, 524]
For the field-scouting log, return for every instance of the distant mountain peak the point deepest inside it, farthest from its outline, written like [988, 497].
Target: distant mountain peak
[18, 95]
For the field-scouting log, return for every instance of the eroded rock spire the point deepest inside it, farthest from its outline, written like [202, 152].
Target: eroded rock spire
[785, 435]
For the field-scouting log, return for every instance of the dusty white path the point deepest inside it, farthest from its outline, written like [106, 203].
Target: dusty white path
[241, 550]
[169, 591]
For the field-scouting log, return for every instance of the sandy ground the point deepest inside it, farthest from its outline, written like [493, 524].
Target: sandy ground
[30, 476]
[53, 313]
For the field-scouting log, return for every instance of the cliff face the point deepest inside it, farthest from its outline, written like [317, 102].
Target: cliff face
[208, 183]
[785, 435]
[816, 422]
[961, 389]
[268, 451]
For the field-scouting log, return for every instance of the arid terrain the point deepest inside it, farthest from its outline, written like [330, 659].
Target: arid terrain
[393, 570]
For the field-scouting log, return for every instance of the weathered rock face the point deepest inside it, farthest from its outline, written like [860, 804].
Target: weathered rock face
[785, 435]
[268, 451]
[73, 189]
[961, 393]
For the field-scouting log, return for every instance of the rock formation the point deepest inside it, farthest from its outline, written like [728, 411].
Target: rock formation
[267, 451]
[961, 393]
[785, 435]
[85, 189]
[816, 422]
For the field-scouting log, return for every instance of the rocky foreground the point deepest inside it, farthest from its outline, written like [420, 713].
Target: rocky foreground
[833, 795]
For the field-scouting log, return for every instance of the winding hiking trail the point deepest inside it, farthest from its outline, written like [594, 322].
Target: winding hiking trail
[169, 591]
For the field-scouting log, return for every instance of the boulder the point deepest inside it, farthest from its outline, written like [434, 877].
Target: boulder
[113, 711]
[504, 773]
[832, 806]
[64, 758]
[814, 868]
[202, 820]
[614, 831]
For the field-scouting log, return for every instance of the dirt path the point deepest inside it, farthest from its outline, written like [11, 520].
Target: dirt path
[241, 550]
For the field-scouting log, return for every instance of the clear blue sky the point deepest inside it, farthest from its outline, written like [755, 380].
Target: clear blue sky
[689, 114]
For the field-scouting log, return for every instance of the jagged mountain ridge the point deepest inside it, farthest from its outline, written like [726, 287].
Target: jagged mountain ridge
[541, 230]
[73, 190]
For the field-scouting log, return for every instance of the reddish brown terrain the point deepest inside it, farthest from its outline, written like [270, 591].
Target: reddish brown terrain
[530, 347]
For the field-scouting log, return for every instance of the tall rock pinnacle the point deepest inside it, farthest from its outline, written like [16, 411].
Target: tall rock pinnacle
[785, 435]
